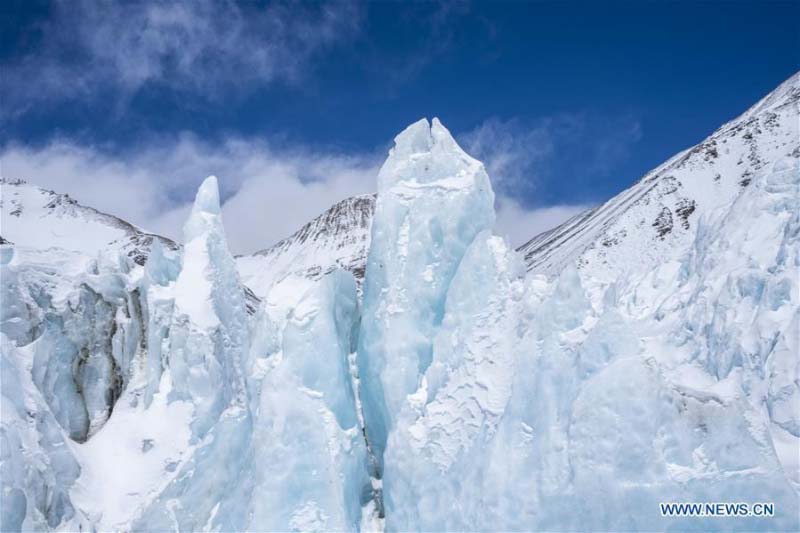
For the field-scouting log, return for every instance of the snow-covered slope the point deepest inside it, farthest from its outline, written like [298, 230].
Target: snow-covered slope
[657, 216]
[39, 218]
[338, 238]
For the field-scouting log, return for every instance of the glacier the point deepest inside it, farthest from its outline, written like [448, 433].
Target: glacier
[402, 367]
[206, 418]
[538, 408]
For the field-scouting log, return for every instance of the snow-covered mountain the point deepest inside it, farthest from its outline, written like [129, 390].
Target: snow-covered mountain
[338, 238]
[40, 218]
[655, 218]
[647, 221]
[404, 368]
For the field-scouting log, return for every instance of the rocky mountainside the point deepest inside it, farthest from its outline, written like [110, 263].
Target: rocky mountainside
[338, 238]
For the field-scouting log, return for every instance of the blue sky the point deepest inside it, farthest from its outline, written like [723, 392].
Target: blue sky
[295, 105]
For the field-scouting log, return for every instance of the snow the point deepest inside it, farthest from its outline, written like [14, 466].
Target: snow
[135, 455]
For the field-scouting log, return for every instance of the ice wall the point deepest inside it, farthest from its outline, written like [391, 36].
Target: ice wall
[209, 332]
[158, 305]
[276, 444]
[203, 351]
[494, 403]
[436, 451]
[84, 327]
[311, 472]
[71, 331]
[433, 199]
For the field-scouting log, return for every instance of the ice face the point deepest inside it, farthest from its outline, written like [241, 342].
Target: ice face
[83, 328]
[433, 199]
[71, 332]
[157, 304]
[311, 472]
[37, 466]
[295, 457]
[318, 339]
[209, 337]
[738, 299]
[440, 435]
[290, 456]
[204, 241]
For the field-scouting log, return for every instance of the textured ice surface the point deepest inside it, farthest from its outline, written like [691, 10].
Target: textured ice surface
[205, 351]
[439, 436]
[598, 400]
[209, 336]
[433, 199]
[36, 464]
[311, 468]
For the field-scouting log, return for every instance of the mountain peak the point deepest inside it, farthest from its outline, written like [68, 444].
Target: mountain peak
[337, 238]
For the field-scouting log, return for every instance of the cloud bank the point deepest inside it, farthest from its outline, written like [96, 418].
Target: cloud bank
[268, 192]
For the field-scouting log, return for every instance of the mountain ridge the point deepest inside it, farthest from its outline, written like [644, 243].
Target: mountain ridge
[48, 204]
[342, 230]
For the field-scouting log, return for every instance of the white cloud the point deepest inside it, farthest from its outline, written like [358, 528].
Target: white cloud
[268, 193]
[519, 225]
[510, 151]
[202, 46]
[526, 158]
